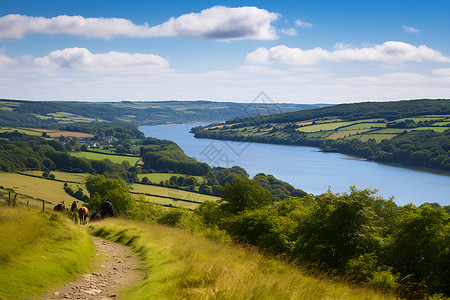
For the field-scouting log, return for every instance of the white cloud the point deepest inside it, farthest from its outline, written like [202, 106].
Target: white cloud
[303, 24]
[389, 52]
[442, 72]
[218, 23]
[342, 45]
[5, 61]
[289, 31]
[221, 23]
[409, 29]
[82, 58]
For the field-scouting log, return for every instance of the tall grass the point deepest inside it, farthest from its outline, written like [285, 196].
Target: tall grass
[182, 266]
[39, 250]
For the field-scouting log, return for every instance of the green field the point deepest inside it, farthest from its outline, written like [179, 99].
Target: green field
[65, 117]
[423, 118]
[364, 126]
[171, 193]
[344, 134]
[65, 176]
[377, 137]
[393, 130]
[118, 159]
[21, 130]
[326, 126]
[437, 129]
[35, 189]
[167, 201]
[441, 124]
[158, 177]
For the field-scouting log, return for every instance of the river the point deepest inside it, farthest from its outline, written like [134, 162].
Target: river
[310, 170]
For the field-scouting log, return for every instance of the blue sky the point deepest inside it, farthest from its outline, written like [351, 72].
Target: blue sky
[294, 51]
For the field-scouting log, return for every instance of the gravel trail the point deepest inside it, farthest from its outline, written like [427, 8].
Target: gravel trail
[113, 272]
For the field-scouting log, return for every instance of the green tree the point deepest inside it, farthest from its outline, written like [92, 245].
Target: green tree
[101, 188]
[340, 228]
[420, 248]
[244, 194]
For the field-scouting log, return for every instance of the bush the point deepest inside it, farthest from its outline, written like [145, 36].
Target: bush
[172, 218]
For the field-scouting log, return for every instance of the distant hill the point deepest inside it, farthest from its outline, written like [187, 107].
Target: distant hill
[411, 132]
[38, 113]
[390, 110]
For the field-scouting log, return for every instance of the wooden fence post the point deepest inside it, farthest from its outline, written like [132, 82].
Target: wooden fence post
[43, 205]
[9, 198]
[14, 201]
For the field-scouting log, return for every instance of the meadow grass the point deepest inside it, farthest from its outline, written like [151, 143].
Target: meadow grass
[158, 177]
[344, 133]
[325, 126]
[39, 251]
[118, 159]
[441, 123]
[423, 118]
[361, 126]
[437, 129]
[20, 130]
[50, 190]
[167, 201]
[182, 266]
[377, 137]
[169, 192]
[66, 176]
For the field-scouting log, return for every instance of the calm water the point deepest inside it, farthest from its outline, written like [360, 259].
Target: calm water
[310, 170]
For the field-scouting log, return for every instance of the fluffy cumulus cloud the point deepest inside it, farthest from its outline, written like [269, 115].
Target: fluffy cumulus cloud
[388, 52]
[221, 23]
[218, 22]
[82, 58]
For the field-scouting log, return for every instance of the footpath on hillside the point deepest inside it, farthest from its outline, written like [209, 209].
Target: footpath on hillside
[112, 273]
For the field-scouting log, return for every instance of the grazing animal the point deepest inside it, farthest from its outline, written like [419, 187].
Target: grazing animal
[108, 209]
[83, 212]
[96, 216]
[74, 210]
[74, 206]
[60, 207]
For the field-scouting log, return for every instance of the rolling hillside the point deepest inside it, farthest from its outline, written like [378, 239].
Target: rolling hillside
[414, 132]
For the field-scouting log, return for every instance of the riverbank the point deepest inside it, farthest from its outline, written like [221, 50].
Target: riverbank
[314, 171]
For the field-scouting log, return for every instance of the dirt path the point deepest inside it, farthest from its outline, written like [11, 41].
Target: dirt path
[112, 273]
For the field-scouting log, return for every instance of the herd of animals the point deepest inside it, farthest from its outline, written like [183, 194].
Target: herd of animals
[107, 210]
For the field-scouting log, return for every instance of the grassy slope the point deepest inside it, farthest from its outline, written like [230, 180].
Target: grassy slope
[158, 177]
[39, 250]
[51, 191]
[118, 159]
[181, 266]
[171, 193]
[32, 189]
